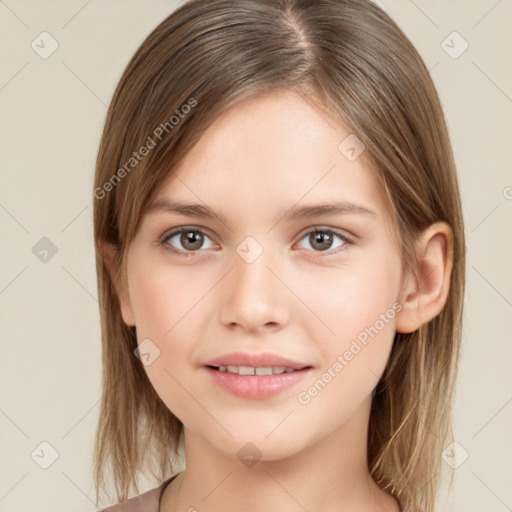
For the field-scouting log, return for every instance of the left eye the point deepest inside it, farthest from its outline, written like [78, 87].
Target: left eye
[322, 239]
[190, 239]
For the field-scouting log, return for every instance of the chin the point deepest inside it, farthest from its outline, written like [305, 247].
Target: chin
[254, 444]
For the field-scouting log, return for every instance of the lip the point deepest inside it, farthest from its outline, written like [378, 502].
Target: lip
[263, 359]
[255, 387]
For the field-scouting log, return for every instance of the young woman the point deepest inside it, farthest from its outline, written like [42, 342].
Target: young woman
[281, 261]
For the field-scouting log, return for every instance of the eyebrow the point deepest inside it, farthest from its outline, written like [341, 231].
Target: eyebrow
[292, 213]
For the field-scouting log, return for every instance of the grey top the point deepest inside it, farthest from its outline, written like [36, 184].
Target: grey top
[148, 501]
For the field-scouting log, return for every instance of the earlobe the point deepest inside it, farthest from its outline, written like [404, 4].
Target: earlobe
[421, 301]
[109, 252]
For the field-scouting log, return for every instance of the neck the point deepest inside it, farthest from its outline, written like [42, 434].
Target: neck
[330, 474]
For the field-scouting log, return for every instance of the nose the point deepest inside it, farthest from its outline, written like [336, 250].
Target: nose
[254, 296]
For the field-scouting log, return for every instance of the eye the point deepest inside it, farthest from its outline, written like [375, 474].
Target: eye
[191, 239]
[321, 240]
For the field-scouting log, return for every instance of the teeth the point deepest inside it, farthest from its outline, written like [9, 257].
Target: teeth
[250, 370]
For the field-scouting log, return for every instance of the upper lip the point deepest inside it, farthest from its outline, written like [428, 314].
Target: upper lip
[262, 360]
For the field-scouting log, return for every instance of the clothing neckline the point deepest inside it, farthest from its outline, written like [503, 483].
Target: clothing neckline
[163, 486]
[165, 483]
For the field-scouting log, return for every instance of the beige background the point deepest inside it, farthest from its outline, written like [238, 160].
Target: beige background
[52, 113]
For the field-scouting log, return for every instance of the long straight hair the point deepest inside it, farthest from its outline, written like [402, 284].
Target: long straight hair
[351, 58]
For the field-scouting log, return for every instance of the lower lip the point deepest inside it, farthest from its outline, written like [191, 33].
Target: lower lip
[256, 387]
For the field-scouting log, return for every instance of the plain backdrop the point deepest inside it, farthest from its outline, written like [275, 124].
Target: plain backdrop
[52, 113]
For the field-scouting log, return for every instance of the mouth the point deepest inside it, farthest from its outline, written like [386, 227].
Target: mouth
[247, 361]
[255, 383]
[256, 370]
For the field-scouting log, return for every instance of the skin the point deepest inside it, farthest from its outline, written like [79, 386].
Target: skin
[296, 299]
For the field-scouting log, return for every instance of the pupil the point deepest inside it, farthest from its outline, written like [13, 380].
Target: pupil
[323, 238]
[188, 238]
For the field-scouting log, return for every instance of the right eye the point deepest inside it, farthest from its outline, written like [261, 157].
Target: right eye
[191, 239]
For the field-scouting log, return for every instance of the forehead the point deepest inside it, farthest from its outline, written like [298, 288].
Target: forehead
[272, 151]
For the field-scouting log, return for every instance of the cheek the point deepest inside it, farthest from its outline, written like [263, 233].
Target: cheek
[167, 306]
[346, 300]
[358, 306]
[160, 298]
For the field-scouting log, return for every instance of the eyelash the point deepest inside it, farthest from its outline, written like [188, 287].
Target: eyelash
[185, 254]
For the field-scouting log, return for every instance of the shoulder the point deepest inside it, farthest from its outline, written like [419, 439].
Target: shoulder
[148, 501]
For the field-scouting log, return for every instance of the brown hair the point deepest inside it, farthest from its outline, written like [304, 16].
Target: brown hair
[352, 58]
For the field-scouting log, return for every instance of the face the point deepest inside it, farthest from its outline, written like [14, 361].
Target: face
[319, 289]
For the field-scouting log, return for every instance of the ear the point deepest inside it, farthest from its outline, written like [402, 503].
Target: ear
[424, 300]
[109, 252]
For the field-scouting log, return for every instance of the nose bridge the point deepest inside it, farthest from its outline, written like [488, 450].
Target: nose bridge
[253, 296]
